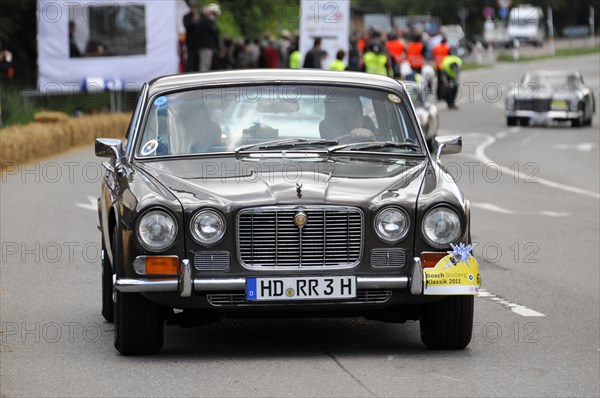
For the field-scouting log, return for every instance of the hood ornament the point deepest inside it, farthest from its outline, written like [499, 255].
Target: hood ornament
[299, 190]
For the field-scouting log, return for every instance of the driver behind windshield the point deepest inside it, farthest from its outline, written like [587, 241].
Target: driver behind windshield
[345, 122]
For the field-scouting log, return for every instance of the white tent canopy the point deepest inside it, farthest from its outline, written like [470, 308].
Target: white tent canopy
[112, 40]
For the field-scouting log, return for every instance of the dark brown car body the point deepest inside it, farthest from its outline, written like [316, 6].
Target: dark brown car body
[362, 182]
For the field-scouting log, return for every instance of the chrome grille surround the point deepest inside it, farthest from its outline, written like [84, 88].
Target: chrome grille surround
[536, 105]
[239, 299]
[268, 239]
[211, 260]
[225, 299]
[386, 258]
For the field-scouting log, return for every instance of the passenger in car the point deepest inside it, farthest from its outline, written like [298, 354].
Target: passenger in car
[199, 133]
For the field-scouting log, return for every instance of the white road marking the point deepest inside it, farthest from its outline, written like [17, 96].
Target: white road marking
[582, 147]
[516, 308]
[527, 140]
[92, 205]
[498, 209]
[490, 140]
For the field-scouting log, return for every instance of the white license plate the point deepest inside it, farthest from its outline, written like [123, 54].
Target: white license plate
[305, 288]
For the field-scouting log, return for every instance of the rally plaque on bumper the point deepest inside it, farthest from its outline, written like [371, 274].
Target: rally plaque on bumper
[303, 288]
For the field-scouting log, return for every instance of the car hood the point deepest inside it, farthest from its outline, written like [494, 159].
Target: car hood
[230, 183]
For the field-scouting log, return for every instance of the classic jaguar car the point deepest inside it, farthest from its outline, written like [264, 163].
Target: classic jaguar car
[427, 112]
[551, 96]
[281, 193]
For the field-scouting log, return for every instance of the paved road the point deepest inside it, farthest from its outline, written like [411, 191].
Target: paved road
[535, 194]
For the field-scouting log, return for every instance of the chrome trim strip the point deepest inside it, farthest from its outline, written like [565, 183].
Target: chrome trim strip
[211, 285]
[136, 127]
[551, 114]
[394, 282]
[416, 280]
[185, 284]
[128, 285]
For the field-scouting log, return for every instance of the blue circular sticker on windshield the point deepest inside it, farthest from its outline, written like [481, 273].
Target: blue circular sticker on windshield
[160, 101]
[149, 147]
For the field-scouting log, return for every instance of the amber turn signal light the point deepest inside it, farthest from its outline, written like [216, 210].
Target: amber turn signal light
[430, 259]
[156, 265]
[162, 265]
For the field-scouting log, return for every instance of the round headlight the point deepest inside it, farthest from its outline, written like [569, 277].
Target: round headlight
[441, 226]
[208, 227]
[391, 224]
[156, 230]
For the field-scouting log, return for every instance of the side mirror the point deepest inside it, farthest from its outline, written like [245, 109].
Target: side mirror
[109, 148]
[447, 145]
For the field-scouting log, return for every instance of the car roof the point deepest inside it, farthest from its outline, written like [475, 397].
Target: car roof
[410, 83]
[262, 76]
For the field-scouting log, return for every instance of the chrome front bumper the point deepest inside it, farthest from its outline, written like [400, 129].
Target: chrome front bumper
[545, 115]
[186, 285]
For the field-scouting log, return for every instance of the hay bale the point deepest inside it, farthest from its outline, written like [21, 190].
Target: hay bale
[51, 117]
[37, 140]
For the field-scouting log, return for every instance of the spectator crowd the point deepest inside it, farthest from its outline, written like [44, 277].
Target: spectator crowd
[407, 55]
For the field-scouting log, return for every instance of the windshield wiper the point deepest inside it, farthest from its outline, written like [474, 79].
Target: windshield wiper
[285, 144]
[366, 146]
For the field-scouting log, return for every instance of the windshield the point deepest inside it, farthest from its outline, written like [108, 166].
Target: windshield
[266, 118]
[569, 82]
[415, 94]
[524, 22]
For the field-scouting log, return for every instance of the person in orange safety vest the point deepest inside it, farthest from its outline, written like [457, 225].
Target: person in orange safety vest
[439, 53]
[414, 54]
[395, 48]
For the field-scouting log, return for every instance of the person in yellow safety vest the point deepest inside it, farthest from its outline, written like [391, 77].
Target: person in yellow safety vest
[376, 61]
[338, 64]
[294, 60]
[450, 67]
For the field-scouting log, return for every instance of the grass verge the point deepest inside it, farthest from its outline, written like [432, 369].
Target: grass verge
[563, 52]
[474, 66]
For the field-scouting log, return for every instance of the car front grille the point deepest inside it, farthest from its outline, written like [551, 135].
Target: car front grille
[211, 261]
[235, 299]
[385, 258]
[537, 105]
[268, 237]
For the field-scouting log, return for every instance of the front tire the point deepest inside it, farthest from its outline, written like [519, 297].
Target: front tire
[138, 325]
[107, 288]
[580, 121]
[511, 121]
[447, 324]
[138, 321]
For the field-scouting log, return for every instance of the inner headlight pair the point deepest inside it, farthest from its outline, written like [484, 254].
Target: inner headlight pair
[441, 225]
[157, 229]
[391, 224]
